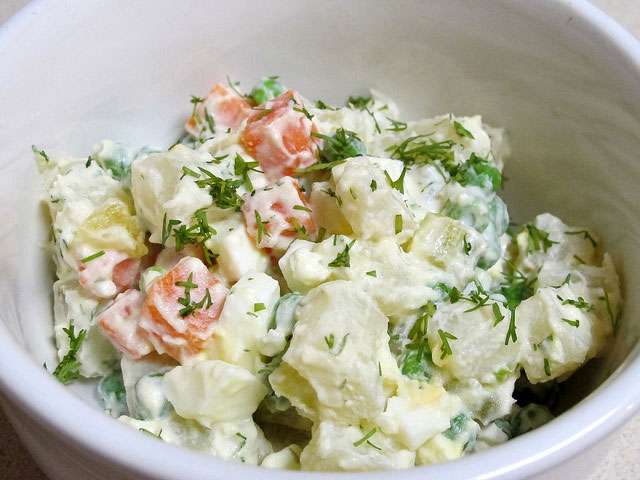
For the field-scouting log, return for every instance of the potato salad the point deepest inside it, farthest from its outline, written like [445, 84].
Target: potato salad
[308, 286]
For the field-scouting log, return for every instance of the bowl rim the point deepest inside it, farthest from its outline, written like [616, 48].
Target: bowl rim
[574, 431]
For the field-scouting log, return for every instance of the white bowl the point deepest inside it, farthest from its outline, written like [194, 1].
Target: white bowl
[563, 77]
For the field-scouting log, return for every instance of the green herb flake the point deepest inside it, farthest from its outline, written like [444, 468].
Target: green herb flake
[445, 347]
[320, 105]
[210, 121]
[366, 437]
[260, 226]
[242, 169]
[398, 183]
[580, 303]
[497, 314]
[373, 185]
[359, 102]
[502, 374]
[452, 293]
[187, 171]
[538, 239]
[547, 367]
[466, 247]
[511, 331]
[460, 130]
[579, 260]
[372, 273]
[398, 224]
[302, 207]
[330, 340]
[573, 323]
[93, 256]
[396, 125]
[223, 191]
[68, 369]
[343, 259]
[416, 151]
[258, 307]
[336, 149]
[40, 153]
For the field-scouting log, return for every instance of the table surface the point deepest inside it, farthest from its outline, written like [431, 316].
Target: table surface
[623, 459]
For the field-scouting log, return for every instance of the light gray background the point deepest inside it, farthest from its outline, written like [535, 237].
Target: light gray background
[621, 463]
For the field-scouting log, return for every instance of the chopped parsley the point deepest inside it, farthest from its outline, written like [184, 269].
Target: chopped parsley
[320, 105]
[68, 369]
[497, 314]
[258, 307]
[366, 437]
[398, 224]
[511, 331]
[547, 367]
[445, 347]
[359, 102]
[396, 125]
[373, 185]
[580, 303]
[330, 340]
[242, 169]
[243, 441]
[211, 123]
[417, 362]
[187, 171]
[40, 153]
[479, 297]
[234, 86]
[417, 151]
[460, 130]
[260, 228]
[185, 301]
[452, 293]
[538, 239]
[196, 234]
[398, 183]
[466, 246]
[302, 109]
[517, 286]
[343, 259]
[223, 191]
[476, 171]
[268, 89]
[375, 120]
[573, 323]
[579, 260]
[93, 256]
[336, 149]
[372, 273]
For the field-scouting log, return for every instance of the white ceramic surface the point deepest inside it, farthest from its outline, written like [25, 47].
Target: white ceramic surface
[560, 75]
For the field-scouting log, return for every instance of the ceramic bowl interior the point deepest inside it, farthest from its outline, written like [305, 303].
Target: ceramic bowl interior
[554, 73]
